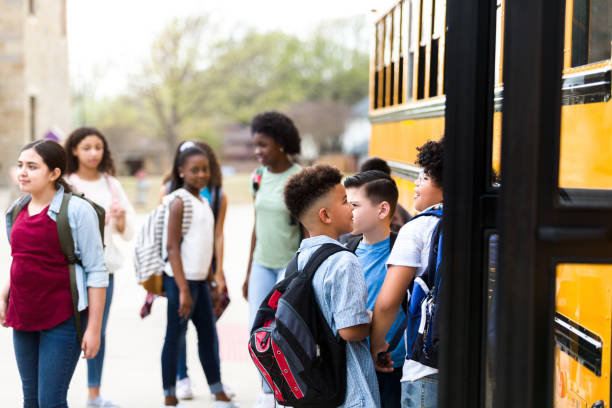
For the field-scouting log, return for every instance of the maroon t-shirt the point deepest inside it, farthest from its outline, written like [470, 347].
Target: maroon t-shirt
[39, 296]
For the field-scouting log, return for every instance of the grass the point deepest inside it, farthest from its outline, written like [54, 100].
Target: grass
[236, 187]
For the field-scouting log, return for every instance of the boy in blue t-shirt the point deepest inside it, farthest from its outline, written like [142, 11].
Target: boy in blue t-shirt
[316, 197]
[373, 195]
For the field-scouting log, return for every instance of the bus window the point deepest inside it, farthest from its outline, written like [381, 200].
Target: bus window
[421, 73]
[390, 62]
[493, 241]
[399, 58]
[411, 13]
[377, 66]
[498, 43]
[433, 68]
[591, 31]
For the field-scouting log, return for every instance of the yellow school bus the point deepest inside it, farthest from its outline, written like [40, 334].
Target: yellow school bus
[407, 108]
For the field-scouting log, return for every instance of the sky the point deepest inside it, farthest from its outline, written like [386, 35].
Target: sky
[108, 40]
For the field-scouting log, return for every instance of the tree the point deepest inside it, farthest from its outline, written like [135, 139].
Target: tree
[324, 121]
[168, 86]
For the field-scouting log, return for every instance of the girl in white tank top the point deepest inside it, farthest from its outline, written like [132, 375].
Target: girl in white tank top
[189, 258]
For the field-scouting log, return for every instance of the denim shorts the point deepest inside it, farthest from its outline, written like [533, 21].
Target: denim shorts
[422, 393]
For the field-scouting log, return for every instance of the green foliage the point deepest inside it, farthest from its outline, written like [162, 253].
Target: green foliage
[194, 82]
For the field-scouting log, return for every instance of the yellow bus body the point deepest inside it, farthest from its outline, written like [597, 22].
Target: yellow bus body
[584, 296]
[405, 118]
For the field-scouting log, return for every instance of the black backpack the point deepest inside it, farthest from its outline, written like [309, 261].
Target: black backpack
[292, 345]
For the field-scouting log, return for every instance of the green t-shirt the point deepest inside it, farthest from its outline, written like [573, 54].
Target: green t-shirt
[278, 237]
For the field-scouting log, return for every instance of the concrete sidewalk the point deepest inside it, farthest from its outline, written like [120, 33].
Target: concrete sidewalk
[132, 369]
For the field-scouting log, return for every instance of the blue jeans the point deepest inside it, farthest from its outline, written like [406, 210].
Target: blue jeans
[94, 365]
[261, 281]
[422, 393]
[46, 360]
[204, 322]
[390, 388]
[181, 372]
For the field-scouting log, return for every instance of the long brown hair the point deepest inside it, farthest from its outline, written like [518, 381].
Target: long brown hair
[216, 178]
[107, 165]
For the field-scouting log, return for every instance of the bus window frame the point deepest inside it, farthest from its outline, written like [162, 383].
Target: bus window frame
[569, 44]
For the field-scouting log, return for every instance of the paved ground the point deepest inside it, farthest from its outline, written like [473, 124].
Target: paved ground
[132, 371]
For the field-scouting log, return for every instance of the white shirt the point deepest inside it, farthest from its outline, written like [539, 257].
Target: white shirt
[197, 244]
[411, 249]
[107, 192]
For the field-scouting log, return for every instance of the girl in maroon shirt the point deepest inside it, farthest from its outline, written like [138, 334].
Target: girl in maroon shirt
[39, 307]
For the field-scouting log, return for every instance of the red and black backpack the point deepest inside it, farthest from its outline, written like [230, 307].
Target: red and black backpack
[293, 347]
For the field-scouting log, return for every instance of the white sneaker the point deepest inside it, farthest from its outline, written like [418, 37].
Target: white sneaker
[265, 401]
[183, 389]
[179, 405]
[100, 402]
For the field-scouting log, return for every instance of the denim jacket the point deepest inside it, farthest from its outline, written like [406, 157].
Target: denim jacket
[87, 241]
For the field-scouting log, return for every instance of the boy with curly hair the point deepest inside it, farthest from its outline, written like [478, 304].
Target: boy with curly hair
[408, 261]
[317, 198]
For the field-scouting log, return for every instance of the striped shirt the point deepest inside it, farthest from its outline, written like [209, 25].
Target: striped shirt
[341, 293]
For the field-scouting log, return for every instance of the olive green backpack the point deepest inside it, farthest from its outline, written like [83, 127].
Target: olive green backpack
[67, 245]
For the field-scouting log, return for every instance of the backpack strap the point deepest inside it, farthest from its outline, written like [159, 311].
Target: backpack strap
[216, 201]
[184, 195]
[67, 245]
[438, 261]
[353, 242]
[435, 255]
[15, 213]
[392, 239]
[319, 256]
[292, 267]
[256, 178]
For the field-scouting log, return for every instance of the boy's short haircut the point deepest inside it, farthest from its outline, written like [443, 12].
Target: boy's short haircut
[378, 187]
[431, 159]
[308, 185]
[375, 163]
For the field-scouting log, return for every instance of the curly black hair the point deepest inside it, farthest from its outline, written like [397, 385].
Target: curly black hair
[280, 128]
[107, 165]
[308, 185]
[431, 159]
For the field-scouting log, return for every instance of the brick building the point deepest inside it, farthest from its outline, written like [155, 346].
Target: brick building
[34, 78]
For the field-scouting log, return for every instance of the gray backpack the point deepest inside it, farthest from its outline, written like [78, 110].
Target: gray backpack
[149, 259]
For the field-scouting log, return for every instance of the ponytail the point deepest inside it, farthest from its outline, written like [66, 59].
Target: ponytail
[54, 156]
[61, 182]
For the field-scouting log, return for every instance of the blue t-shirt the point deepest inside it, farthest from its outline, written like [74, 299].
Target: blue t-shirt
[340, 290]
[373, 259]
[205, 193]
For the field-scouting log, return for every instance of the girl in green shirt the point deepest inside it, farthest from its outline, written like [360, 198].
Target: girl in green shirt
[276, 235]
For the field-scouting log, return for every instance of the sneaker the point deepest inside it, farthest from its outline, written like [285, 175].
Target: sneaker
[265, 401]
[100, 402]
[183, 389]
[179, 405]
